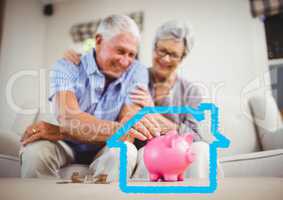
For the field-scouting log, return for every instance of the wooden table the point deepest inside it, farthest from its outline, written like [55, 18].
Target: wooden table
[228, 188]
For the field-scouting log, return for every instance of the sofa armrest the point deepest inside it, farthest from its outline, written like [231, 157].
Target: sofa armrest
[9, 144]
[264, 163]
[9, 166]
[273, 140]
[266, 116]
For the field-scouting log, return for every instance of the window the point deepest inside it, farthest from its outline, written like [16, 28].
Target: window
[274, 36]
[274, 39]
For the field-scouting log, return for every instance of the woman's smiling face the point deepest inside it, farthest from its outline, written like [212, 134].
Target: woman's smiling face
[167, 56]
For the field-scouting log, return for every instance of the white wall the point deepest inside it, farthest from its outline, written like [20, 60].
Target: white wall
[230, 44]
[22, 49]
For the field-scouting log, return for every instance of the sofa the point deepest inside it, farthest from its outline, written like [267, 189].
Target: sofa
[253, 126]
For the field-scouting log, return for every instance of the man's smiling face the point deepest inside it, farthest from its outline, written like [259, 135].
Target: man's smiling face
[115, 55]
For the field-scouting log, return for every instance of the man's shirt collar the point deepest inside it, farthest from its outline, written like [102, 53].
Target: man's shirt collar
[91, 68]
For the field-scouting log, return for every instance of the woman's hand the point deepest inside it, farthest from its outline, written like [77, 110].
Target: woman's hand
[141, 97]
[72, 56]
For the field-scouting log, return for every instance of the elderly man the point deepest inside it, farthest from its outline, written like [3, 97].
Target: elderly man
[91, 102]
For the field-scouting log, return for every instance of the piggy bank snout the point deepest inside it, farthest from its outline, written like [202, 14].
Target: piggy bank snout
[184, 149]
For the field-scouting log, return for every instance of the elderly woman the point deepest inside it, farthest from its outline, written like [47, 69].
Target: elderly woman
[173, 41]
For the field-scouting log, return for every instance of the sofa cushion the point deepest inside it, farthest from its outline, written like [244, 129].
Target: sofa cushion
[273, 140]
[47, 117]
[264, 163]
[266, 115]
[236, 124]
[22, 121]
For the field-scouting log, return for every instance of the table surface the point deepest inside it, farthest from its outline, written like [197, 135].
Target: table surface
[228, 188]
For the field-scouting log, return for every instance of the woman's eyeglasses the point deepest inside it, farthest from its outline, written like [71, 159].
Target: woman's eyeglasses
[162, 52]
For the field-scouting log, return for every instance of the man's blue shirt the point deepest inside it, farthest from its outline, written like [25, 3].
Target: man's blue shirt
[87, 83]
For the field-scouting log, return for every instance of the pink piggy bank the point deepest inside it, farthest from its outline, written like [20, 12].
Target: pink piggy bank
[168, 156]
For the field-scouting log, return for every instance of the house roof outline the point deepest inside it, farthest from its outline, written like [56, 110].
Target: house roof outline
[199, 114]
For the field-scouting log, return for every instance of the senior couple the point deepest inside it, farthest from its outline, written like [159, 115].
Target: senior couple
[94, 94]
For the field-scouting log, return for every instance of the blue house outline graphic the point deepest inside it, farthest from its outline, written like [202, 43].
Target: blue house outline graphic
[199, 115]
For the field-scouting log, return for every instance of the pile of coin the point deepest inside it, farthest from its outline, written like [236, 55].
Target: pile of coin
[88, 179]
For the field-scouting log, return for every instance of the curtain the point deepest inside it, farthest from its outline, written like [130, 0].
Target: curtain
[266, 7]
[83, 31]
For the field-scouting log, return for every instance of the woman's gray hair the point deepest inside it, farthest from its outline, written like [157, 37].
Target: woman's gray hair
[116, 24]
[176, 30]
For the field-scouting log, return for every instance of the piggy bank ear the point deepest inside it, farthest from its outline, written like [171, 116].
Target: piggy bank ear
[189, 138]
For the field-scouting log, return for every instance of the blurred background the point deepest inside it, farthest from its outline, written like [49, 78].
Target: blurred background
[238, 47]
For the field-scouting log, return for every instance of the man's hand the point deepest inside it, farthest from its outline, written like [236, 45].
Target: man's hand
[144, 129]
[150, 127]
[72, 56]
[41, 131]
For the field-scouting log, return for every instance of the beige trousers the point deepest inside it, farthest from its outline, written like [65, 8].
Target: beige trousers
[43, 159]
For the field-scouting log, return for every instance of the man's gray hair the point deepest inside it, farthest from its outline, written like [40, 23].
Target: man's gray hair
[116, 24]
[176, 30]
